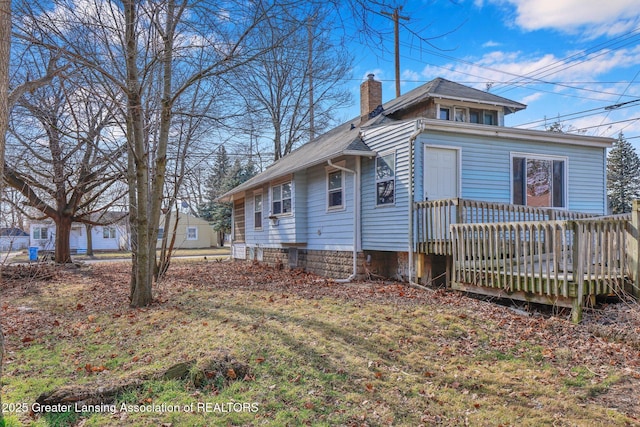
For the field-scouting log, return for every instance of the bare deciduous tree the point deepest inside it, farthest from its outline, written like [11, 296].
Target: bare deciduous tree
[153, 53]
[5, 53]
[294, 89]
[58, 157]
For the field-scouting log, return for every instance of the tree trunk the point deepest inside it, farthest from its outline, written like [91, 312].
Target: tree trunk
[141, 287]
[89, 229]
[5, 48]
[63, 248]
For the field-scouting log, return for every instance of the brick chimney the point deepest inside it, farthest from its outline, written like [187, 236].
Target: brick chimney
[370, 97]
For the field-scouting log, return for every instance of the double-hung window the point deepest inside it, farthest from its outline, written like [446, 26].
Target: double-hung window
[385, 179]
[108, 232]
[40, 233]
[281, 199]
[257, 211]
[539, 181]
[192, 233]
[335, 189]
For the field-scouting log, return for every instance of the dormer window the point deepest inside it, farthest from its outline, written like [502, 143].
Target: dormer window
[468, 115]
[490, 118]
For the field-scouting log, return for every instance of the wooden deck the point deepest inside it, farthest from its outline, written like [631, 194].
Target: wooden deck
[540, 255]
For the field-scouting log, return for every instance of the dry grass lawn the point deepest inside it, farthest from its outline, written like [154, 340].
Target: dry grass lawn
[318, 352]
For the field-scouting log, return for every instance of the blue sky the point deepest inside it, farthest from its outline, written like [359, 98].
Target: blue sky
[567, 60]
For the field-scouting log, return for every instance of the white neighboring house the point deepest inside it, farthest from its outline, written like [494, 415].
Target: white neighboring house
[13, 239]
[113, 237]
[192, 232]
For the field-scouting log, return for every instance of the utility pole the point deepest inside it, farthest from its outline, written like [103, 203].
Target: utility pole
[396, 17]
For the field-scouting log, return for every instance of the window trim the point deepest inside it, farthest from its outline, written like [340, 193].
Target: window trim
[377, 180]
[281, 200]
[465, 114]
[548, 157]
[342, 205]
[110, 231]
[189, 228]
[255, 212]
[39, 230]
[467, 109]
[441, 109]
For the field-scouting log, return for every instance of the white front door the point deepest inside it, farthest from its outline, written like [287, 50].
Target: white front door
[441, 175]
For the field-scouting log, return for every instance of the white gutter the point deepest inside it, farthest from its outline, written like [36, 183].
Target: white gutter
[420, 127]
[356, 214]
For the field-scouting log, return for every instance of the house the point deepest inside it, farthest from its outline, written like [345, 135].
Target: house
[111, 237]
[343, 204]
[13, 239]
[191, 232]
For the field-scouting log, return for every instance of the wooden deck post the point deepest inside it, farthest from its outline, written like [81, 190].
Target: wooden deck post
[578, 273]
[633, 248]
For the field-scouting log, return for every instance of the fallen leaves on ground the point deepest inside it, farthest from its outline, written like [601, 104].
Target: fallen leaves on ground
[609, 337]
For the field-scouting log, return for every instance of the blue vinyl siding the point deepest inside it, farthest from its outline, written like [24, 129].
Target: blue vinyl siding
[385, 228]
[330, 230]
[485, 163]
[486, 168]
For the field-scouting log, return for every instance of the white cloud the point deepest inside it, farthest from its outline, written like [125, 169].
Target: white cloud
[501, 66]
[531, 98]
[410, 76]
[491, 43]
[377, 72]
[570, 15]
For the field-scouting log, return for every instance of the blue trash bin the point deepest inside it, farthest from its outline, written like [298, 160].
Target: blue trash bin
[33, 253]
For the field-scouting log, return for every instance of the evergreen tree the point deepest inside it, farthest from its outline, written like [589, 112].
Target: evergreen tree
[214, 184]
[623, 176]
[223, 179]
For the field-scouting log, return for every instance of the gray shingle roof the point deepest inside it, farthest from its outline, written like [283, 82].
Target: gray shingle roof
[345, 139]
[342, 140]
[13, 232]
[442, 88]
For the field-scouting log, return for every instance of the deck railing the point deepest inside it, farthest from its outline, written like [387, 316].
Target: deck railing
[568, 258]
[433, 219]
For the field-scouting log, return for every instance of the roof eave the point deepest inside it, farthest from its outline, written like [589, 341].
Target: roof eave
[519, 134]
[515, 106]
[229, 196]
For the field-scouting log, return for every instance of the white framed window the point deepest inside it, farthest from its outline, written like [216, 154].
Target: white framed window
[41, 233]
[490, 118]
[257, 211]
[160, 233]
[539, 181]
[460, 114]
[281, 199]
[445, 113]
[386, 179]
[335, 189]
[192, 233]
[108, 232]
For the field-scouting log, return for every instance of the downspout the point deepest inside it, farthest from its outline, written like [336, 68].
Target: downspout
[356, 215]
[420, 127]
